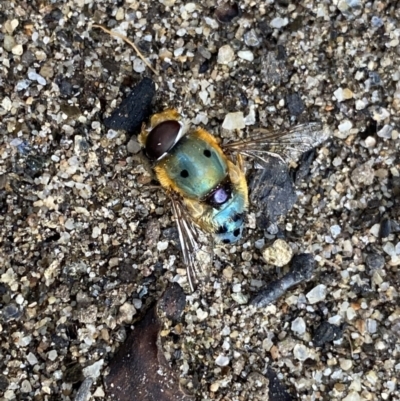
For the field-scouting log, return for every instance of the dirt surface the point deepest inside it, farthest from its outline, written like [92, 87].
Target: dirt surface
[87, 238]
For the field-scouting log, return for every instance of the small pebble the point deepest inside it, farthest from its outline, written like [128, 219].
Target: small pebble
[133, 146]
[246, 55]
[222, 360]
[335, 230]
[190, 7]
[251, 38]
[337, 161]
[96, 232]
[240, 298]
[279, 254]
[8, 43]
[31, 358]
[228, 273]
[94, 370]
[379, 114]
[52, 355]
[361, 104]
[7, 105]
[371, 326]
[17, 50]
[386, 226]
[385, 132]
[299, 326]
[11, 25]
[317, 294]
[343, 94]
[21, 85]
[350, 313]
[162, 246]
[327, 332]
[346, 364]
[234, 121]
[376, 22]
[126, 312]
[279, 22]
[301, 352]
[389, 248]
[201, 315]
[11, 312]
[225, 55]
[138, 65]
[370, 142]
[363, 175]
[372, 377]
[26, 386]
[352, 396]
[33, 76]
[345, 126]
[375, 230]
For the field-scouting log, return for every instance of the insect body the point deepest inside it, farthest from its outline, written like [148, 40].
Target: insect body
[193, 167]
[206, 182]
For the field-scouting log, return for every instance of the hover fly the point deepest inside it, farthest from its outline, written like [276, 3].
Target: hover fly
[206, 180]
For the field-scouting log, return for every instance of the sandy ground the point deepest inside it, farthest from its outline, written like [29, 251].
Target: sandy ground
[87, 238]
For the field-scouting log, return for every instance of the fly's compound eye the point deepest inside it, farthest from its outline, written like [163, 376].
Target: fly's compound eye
[162, 138]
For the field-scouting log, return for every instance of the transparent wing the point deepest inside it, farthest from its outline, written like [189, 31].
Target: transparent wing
[271, 187]
[196, 246]
[288, 145]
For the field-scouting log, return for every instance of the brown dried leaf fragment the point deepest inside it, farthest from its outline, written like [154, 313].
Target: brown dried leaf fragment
[139, 371]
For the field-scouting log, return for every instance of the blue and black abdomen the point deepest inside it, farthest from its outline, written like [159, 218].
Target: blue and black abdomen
[230, 221]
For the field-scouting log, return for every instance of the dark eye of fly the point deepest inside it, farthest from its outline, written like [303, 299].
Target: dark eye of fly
[219, 195]
[161, 138]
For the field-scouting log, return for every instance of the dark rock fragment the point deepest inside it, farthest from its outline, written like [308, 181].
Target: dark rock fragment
[304, 166]
[3, 383]
[302, 267]
[83, 393]
[277, 391]
[73, 373]
[10, 312]
[325, 333]
[226, 12]
[281, 53]
[173, 302]
[35, 165]
[134, 109]
[28, 58]
[385, 228]
[374, 261]
[66, 89]
[272, 189]
[394, 226]
[294, 104]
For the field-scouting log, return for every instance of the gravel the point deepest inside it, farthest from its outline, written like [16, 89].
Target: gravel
[79, 266]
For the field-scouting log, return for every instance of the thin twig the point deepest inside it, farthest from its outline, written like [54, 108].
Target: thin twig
[125, 39]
